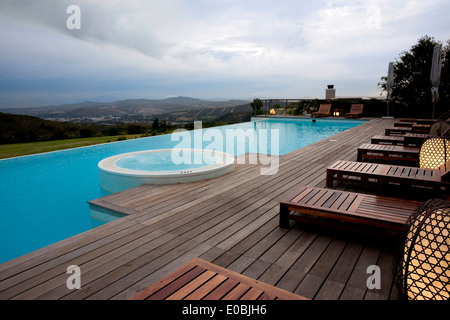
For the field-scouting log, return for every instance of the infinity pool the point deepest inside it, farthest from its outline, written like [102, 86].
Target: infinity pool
[44, 197]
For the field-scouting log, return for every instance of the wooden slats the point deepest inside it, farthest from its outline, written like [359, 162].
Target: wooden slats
[199, 279]
[217, 292]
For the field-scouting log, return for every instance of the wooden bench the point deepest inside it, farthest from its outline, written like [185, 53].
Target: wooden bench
[389, 153]
[309, 205]
[202, 280]
[381, 174]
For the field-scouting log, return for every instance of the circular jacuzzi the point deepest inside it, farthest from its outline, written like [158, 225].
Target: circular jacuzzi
[163, 166]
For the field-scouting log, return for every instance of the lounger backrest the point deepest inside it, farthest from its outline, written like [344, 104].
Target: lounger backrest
[324, 108]
[356, 108]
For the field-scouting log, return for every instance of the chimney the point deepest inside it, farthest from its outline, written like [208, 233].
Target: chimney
[330, 93]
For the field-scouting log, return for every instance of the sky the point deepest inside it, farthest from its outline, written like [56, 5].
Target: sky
[54, 53]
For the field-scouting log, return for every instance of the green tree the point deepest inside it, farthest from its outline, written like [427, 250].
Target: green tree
[257, 106]
[86, 133]
[155, 124]
[444, 88]
[412, 84]
[134, 129]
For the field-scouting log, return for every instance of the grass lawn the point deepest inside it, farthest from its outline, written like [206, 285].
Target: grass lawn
[23, 149]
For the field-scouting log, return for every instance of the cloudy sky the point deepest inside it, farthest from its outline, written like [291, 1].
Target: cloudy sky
[205, 48]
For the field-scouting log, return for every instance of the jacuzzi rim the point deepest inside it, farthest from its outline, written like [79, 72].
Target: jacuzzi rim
[112, 168]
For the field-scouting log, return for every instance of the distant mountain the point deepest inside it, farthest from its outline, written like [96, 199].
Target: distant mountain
[129, 109]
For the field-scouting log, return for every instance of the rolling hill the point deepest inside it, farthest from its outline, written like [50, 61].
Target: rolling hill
[175, 110]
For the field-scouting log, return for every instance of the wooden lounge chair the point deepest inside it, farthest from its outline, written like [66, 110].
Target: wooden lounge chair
[404, 124]
[421, 128]
[389, 153]
[397, 130]
[408, 136]
[415, 139]
[415, 127]
[383, 216]
[395, 140]
[382, 174]
[356, 111]
[406, 127]
[419, 121]
[202, 280]
[324, 111]
[407, 140]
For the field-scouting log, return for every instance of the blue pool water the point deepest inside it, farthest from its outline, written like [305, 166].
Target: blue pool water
[44, 197]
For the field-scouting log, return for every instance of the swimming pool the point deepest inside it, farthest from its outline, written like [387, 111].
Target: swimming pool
[44, 196]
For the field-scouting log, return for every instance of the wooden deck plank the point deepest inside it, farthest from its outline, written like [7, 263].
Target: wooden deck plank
[232, 219]
[356, 286]
[338, 277]
[314, 280]
[283, 264]
[304, 264]
[386, 278]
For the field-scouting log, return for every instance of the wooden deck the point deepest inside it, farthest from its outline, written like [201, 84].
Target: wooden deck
[231, 221]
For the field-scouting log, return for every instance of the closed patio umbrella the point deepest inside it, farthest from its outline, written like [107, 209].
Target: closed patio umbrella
[435, 75]
[389, 84]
